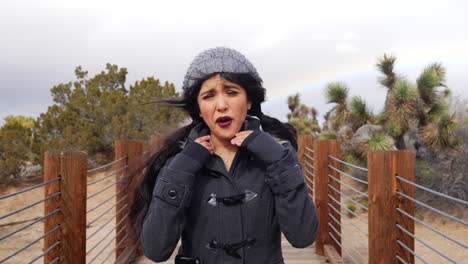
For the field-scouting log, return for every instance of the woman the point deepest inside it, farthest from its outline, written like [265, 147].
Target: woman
[228, 183]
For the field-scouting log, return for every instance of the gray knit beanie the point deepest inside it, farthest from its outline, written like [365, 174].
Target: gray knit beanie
[218, 59]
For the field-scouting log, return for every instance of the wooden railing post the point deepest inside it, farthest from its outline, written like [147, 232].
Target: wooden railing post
[322, 149]
[71, 167]
[134, 150]
[302, 142]
[383, 167]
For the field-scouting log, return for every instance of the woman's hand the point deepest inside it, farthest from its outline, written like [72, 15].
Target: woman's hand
[205, 142]
[240, 137]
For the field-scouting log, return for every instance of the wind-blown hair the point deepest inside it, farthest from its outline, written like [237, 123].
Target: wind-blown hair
[143, 177]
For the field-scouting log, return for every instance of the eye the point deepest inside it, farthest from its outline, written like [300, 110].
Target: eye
[232, 92]
[207, 96]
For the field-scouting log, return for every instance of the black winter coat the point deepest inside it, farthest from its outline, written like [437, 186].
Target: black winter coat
[233, 217]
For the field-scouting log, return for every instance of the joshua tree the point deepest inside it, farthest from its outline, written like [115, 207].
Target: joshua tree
[302, 117]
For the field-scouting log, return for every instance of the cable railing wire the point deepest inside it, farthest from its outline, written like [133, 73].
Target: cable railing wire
[346, 174]
[411, 251]
[309, 149]
[115, 227]
[347, 231]
[108, 243]
[308, 156]
[108, 199]
[349, 164]
[55, 260]
[432, 208]
[345, 207]
[116, 247]
[30, 188]
[107, 222]
[106, 165]
[45, 252]
[30, 244]
[110, 208]
[347, 197]
[347, 241]
[309, 181]
[347, 253]
[30, 224]
[401, 260]
[347, 219]
[105, 177]
[432, 191]
[433, 229]
[309, 172]
[310, 165]
[350, 187]
[104, 189]
[424, 243]
[29, 206]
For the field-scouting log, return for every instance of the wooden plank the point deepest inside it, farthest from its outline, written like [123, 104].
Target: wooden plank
[134, 150]
[405, 165]
[74, 178]
[52, 171]
[383, 167]
[332, 255]
[334, 151]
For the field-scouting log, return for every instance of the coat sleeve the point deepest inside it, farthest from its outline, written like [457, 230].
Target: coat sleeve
[166, 216]
[295, 209]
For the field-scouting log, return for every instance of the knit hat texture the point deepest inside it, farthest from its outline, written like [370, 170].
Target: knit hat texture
[219, 59]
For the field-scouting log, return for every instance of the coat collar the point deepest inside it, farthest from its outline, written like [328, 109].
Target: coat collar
[214, 164]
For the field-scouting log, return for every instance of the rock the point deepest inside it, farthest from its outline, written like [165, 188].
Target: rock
[30, 171]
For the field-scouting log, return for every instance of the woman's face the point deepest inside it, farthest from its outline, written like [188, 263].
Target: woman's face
[221, 98]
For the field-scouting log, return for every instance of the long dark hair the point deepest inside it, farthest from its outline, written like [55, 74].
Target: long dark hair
[143, 177]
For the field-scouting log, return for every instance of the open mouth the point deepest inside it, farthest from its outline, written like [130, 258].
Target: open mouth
[224, 121]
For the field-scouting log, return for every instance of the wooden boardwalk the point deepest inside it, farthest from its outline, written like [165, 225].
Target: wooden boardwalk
[291, 255]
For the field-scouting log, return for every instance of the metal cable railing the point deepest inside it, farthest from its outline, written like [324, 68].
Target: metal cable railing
[308, 156]
[105, 177]
[108, 233]
[347, 241]
[347, 175]
[30, 224]
[347, 197]
[347, 220]
[106, 165]
[433, 209]
[309, 149]
[411, 251]
[104, 189]
[343, 248]
[55, 260]
[308, 164]
[432, 191]
[108, 199]
[347, 231]
[30, 188]
[110, 208]
[30, 244]
[116, 247]
[108, 243]
[349, 164]
[432, 228]
[424, 243]
[348, 210]
[309, 173]
[350, 187]
[45, 252]
[29, 206]
[107, 222]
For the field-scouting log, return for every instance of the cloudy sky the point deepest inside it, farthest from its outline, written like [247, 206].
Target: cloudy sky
[296, 46]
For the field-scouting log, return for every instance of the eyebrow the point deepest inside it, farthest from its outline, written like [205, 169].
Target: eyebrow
[227, 86]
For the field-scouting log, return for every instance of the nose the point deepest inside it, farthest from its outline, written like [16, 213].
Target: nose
[221, 103]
